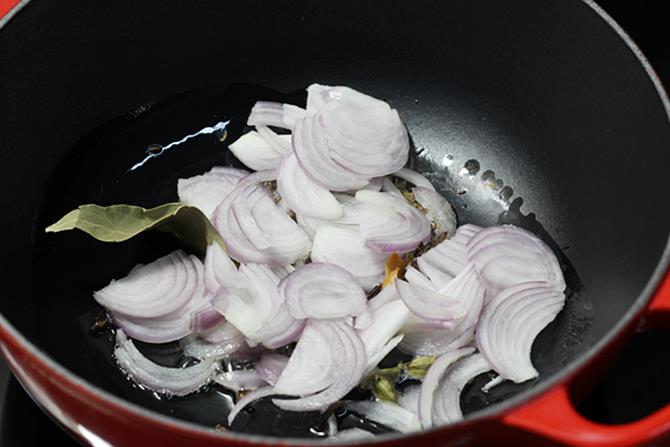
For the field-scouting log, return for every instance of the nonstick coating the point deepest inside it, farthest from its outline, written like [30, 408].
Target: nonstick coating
[541, 100]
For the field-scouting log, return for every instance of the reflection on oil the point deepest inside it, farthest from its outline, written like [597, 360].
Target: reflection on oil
[155, 150]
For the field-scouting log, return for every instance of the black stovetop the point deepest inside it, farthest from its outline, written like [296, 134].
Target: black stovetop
[636, 385]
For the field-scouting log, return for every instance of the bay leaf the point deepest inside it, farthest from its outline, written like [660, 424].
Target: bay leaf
[118, 223]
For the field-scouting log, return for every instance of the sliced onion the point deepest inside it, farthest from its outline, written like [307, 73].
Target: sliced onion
[386, 295]
[348, 362]
[510, 323]
[219, 268]
[292, 114]
[417, 278]
[492, 383]
[198, 348]
[348, 250]
[386, 413]
[255, 307]
[378, 338]
[313, 155]
[303, 195]
[280, 143]
[249, 398]
[349, 219]
[223, 333]
[365, 135]
[506, 255]
[447, 403]
[154, 330]
[389, 223]
[256, 230]
[409, 398]
[431, 382]
[319, 290]
[270, 367]
[375, 184]
[389, 187]
[414, 178]
[423, 338]
[451, 255]
[163, 380]
[438, 210]
[430, 304]
[266, 113]
[205, 317]
[332, 425]
[240, 380]
[381, 354]
[436, 277]
[252, 150]
[157, 289]
[206, 191]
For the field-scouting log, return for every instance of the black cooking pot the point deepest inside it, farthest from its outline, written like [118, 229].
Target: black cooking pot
[542, 114]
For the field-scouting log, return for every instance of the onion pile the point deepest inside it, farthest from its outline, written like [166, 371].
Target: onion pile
[300, 262]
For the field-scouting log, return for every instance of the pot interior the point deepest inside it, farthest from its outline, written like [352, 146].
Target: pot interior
[532, 113]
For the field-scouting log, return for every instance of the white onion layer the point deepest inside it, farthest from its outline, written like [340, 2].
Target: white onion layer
[161, 379]
[207, 190]
[252, 150]
[509, 324]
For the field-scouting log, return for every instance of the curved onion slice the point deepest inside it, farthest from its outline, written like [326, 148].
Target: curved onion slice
[252, 150]
[349, 219]
[436, 277]
[348, 362]
[270, 366]
[311, 149]
[447, 401]
[389, 223]
[451, 255]
[447, 304]
[280, 143]
[240, 380]
[198, 348]
[320, 290]
[266, 113]
[389, 187]
[256, 230]
[157, 289]
[205, 317]
[365, 135]
[423, 338]
[415, 178]
[292, 114]
[506, 255]
[154, 330]
[438, 210]
[255, 307]
[432, 380]
[386, 413]
[386, 322]
[302, 194]
[206, 191]
[248, 398]
[348, 250]
[352, 434]
[163, 380]
[219, 268]
[409, 398]
[509, 324]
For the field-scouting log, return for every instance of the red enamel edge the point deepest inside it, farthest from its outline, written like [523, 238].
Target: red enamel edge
[6, 6]
[553, 417]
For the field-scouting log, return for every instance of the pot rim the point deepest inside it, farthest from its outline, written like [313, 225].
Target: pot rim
[662, 269]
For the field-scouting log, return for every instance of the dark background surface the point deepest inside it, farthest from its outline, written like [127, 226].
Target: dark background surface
[634, 386]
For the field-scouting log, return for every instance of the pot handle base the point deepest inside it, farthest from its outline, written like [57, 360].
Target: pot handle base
[554, 418]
